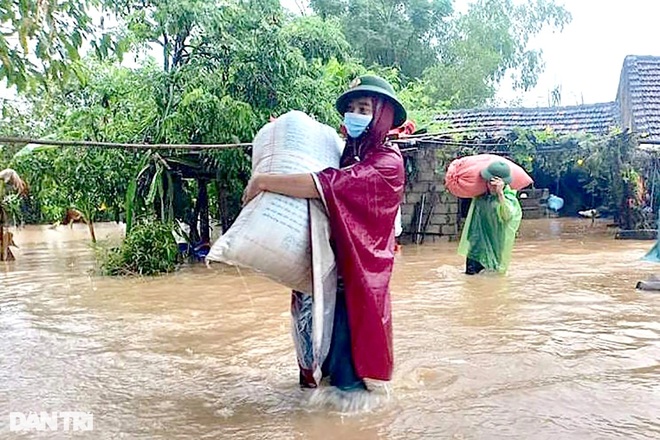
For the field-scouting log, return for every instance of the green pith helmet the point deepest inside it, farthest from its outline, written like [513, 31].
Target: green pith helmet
[371, 85]
[497, 169]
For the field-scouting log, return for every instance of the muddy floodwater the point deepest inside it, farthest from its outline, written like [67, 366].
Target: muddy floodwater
[563, 347]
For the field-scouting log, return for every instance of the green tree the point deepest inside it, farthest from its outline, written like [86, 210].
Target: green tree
[487, 43]
[40, 39]
[93, 180]
[401, 33]
[244, 63]
[446, 59]
[103, 103]
[318, 39]
[178, 27]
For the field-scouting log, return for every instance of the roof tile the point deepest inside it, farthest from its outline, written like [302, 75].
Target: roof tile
[643, 77]
[593, 118]
[640, 82]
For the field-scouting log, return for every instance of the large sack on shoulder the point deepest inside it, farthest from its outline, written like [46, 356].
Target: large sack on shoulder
[271, 234]
[463, 178]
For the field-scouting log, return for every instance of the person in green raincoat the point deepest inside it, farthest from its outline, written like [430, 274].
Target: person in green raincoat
[492, 223]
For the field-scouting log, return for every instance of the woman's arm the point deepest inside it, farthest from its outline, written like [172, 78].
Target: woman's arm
[301, 186]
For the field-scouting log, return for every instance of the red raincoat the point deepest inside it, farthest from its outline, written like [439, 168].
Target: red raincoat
[362, 199]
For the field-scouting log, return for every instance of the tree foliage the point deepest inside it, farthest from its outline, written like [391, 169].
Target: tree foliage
[454, 59]
[104, 103]
[485, 45]
[149, 249]
[392, 32]
[609, 168]
[39, 39]
[318, 39]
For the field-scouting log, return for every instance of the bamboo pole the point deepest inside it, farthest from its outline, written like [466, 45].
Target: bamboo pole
[73, 143]
[408, 143]
[61, 143]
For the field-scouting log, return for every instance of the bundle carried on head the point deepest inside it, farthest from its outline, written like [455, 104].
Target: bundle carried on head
[467, 177]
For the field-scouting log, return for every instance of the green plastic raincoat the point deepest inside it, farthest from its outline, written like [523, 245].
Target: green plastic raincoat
[490, 230]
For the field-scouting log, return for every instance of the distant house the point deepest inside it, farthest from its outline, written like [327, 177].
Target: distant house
[638, 97]
[636, 107]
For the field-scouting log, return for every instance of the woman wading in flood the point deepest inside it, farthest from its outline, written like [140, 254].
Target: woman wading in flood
[361, 198]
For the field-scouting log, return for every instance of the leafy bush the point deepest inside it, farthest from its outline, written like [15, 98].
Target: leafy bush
[148, 249]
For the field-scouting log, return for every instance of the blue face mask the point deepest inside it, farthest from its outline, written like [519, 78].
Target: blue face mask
[356, 124]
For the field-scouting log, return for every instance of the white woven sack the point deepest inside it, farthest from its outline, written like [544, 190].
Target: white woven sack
[271, 234]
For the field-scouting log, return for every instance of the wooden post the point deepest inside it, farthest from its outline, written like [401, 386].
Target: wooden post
[223, 206]
[90, 226]
[6, 240]
[4, 248]
[2, 233]
[203, 202]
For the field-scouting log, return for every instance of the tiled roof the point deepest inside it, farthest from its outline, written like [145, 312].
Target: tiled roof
[637, 106]
[593, 118]
[642, 84]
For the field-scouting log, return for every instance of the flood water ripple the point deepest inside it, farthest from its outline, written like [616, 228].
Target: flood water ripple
[563, 347]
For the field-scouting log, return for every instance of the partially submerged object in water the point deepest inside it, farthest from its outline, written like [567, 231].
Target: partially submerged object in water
[555, 203]
[652, 283]
[636, 234]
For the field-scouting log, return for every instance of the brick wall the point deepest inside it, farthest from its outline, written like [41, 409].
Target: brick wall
[444, 222]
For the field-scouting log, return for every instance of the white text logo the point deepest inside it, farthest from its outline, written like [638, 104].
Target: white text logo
[51, 421]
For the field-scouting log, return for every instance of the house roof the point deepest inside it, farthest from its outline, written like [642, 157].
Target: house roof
[637, 107]
[593, 118]
[640, 78]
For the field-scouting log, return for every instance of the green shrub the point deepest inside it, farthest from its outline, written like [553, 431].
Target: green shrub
[148, 249]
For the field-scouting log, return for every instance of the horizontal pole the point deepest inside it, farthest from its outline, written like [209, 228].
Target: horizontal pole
[60, 143]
